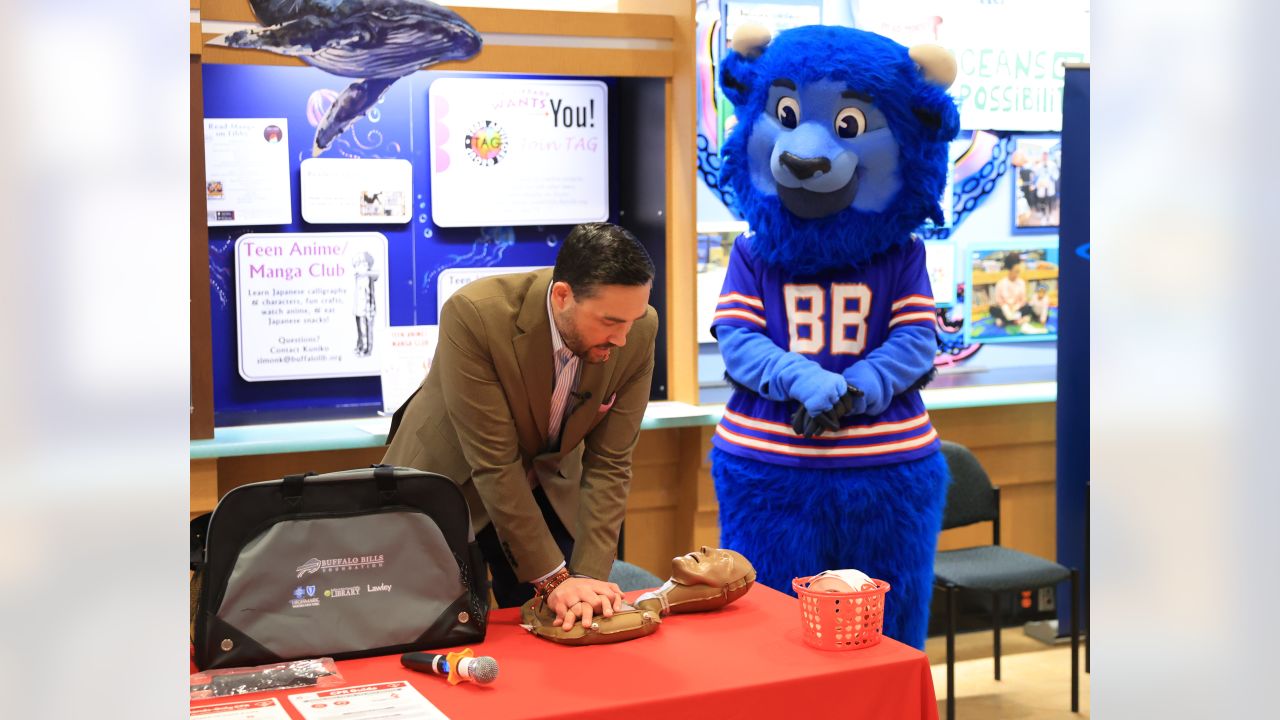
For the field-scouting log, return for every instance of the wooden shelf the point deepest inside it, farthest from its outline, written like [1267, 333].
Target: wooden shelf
[534, 60]
[504, 20]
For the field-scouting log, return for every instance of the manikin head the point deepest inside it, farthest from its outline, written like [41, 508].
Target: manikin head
[599, 289]
[841, 581]
[716, 567]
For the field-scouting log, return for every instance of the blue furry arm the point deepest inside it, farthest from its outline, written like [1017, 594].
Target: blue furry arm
[754, 361]
[892, 368]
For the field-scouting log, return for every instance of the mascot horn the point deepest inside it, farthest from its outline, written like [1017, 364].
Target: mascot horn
[826, 457]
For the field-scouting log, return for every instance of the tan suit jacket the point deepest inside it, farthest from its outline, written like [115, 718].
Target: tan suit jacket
[480, 418]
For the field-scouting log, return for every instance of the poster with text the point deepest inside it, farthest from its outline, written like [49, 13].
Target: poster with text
[1010, 54]
[940, 261]
[454, 279]
[356, 190]
[246, 170]
[391, 700]
[774, 17]
[310, 305]
[268, 709]
[406, 359]
[518, 152]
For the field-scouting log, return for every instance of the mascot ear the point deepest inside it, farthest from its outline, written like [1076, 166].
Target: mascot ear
[936, 111]
[737, 70]
[937, 65]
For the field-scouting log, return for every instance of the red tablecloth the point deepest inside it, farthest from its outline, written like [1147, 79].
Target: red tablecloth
[745, 661]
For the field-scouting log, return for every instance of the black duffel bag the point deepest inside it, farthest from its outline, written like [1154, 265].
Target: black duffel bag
[348, 564]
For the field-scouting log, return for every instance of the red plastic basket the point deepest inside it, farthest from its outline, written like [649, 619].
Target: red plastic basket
[841, 621]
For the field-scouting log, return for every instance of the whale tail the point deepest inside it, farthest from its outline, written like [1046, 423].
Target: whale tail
[350, 104]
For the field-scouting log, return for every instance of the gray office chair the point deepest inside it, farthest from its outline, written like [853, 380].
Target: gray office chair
[991, 568]
[632, 577]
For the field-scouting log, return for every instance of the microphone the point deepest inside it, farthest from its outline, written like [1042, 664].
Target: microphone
[456, 666]
[580, 399]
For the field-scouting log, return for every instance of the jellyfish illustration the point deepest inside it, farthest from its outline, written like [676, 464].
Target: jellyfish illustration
[318, 105]
[375, 41]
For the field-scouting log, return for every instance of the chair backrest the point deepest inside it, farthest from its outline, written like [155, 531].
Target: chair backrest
[632, 577]
[971, 498]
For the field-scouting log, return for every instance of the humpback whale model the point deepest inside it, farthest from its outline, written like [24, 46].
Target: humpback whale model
[377, 41]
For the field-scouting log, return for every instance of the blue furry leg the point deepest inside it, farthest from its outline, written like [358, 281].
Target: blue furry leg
[792, 522]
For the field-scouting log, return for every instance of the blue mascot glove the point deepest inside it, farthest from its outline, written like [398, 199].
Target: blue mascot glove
[818, 390]
[814, 425]
[904, 362]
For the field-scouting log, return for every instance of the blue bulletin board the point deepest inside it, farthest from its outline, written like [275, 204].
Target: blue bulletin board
[418, 251]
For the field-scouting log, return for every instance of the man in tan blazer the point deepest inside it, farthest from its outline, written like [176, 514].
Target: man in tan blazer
[533, 406]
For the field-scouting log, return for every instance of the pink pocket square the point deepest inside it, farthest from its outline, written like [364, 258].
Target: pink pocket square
[604, 406]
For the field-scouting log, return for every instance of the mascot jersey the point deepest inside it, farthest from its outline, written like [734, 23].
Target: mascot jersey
[834, 318]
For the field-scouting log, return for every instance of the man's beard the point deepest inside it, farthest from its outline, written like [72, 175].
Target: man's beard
[571, 338]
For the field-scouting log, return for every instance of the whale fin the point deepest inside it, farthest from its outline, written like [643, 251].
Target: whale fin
[350, 104]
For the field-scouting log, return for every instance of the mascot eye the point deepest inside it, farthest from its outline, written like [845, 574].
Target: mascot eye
[850, 122]
[788, 112]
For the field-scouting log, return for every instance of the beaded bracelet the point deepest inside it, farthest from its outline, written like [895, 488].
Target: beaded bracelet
[544, 589]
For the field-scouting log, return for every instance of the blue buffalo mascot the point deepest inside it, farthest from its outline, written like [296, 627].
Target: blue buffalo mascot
[825, 457]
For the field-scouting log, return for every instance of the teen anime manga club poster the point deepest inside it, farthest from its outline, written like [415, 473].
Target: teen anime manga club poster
[310, 306]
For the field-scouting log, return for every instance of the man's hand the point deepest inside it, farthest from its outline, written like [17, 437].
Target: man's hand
[581, 597]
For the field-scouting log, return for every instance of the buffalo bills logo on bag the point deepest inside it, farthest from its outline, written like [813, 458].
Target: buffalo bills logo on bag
[309, 567]
[340, 564]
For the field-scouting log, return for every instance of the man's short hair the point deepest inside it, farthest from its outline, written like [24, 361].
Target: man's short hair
[1011, 260]
[596, 254]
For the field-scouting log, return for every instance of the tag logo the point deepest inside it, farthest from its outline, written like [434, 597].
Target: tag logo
[486, 143]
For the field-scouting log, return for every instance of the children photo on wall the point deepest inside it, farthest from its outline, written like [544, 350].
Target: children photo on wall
[1015, 295]
[1036, 165]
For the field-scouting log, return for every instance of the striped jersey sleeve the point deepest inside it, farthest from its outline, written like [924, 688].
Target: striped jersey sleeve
[913, 296]
[740, 303]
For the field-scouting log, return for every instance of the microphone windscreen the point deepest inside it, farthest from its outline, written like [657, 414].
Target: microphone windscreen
[483, 670]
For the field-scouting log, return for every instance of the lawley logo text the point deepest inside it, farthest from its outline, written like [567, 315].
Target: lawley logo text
[340, 564]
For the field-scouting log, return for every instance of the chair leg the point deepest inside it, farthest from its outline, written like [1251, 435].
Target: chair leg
[1088, 635]
[995, 624]
[1075, 641]
[951, 652]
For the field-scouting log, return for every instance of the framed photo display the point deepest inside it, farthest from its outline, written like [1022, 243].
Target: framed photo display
[1036, 166]
[1013, 293]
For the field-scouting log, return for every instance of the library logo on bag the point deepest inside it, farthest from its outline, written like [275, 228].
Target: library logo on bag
[342, 592]
[340, 564]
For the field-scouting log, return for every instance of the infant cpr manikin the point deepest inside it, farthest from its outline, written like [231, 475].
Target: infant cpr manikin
[706, 579]
[842, 581]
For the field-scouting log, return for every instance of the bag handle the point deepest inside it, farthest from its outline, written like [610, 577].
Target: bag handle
[291, 488]
[385, 476]
[199, 532]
